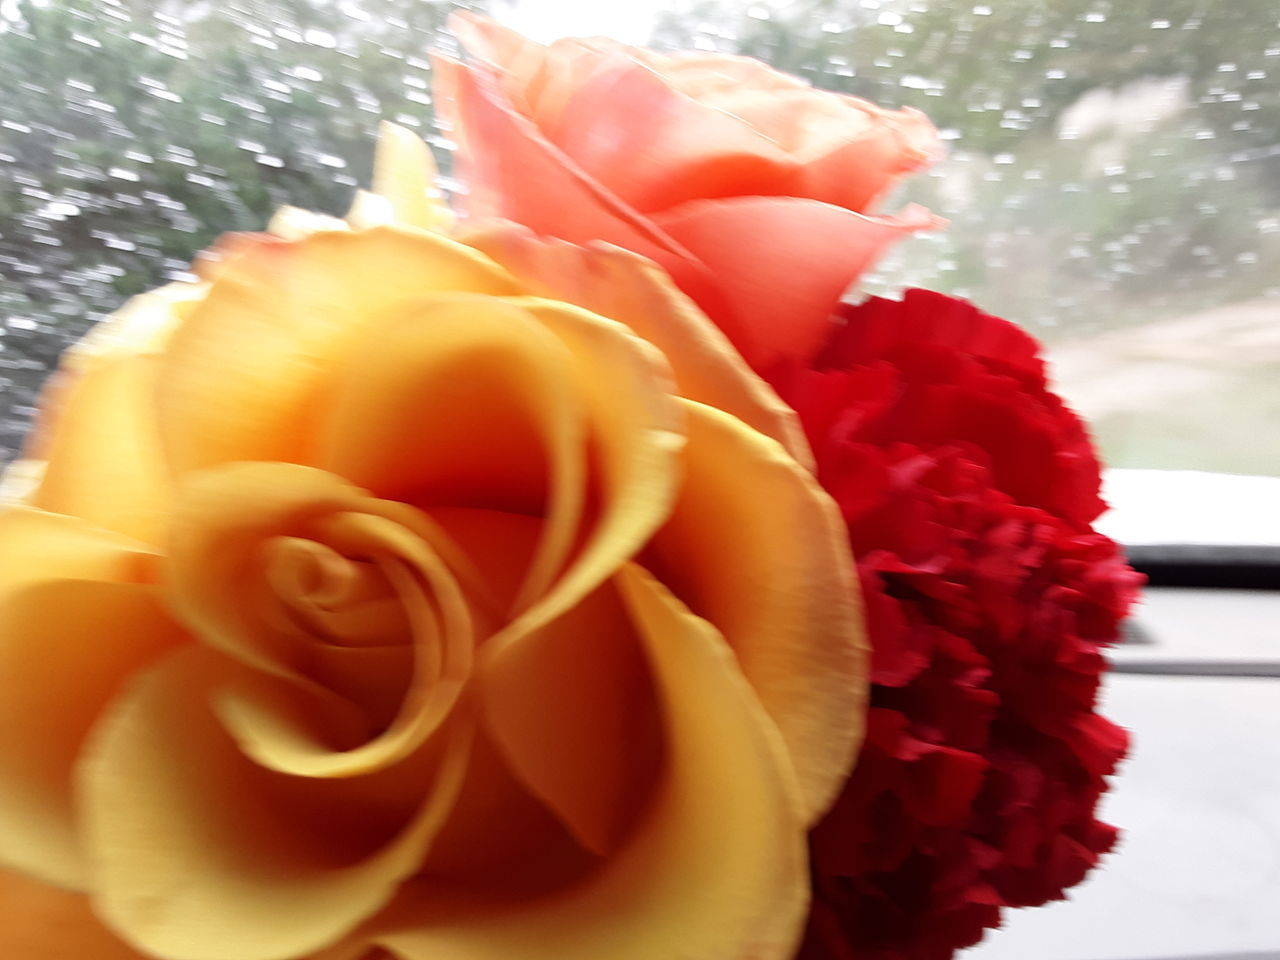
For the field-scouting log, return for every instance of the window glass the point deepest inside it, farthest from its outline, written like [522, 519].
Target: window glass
[1112, 182]
[1113, 177]
[133, 132]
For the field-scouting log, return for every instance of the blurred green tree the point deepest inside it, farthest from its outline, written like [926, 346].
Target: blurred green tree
[132, 132]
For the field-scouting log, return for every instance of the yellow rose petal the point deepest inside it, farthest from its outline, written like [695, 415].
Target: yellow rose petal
[215, 577]
[93, 451]
[200, 854]
[636, 433]
[475, 406]
[66, 649]
[626, 287]
[142, 326]
[40, 922]
[232, 522]
[404, 177]
[104, 458]
[36, 546]
[294, 223]
[242, 376]
[591, 749]
[271, 721]
[756, 547]
[715, 871]
[76, 620]
[498, 403]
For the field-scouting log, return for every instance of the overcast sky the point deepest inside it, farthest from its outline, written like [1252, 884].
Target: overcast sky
[627, 20]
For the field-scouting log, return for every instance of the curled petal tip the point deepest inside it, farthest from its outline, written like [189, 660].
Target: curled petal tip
[404, 176]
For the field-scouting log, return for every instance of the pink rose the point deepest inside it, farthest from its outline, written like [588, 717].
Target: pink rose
[750, 187]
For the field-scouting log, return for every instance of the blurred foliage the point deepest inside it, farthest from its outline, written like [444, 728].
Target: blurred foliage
[132, 132]
[1109, 162]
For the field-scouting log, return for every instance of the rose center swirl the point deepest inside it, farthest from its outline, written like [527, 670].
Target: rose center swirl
[346, 609]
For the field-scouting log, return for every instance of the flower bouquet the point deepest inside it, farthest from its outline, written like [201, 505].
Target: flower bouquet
[582, 577]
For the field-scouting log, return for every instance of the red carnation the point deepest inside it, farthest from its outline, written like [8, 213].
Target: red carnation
[969, 489]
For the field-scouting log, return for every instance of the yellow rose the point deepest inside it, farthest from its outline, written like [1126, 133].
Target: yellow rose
[385, 591]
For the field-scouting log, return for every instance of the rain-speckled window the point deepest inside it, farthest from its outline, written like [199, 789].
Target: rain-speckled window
[1113, 178]
[1113, 183]
[132, 132]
